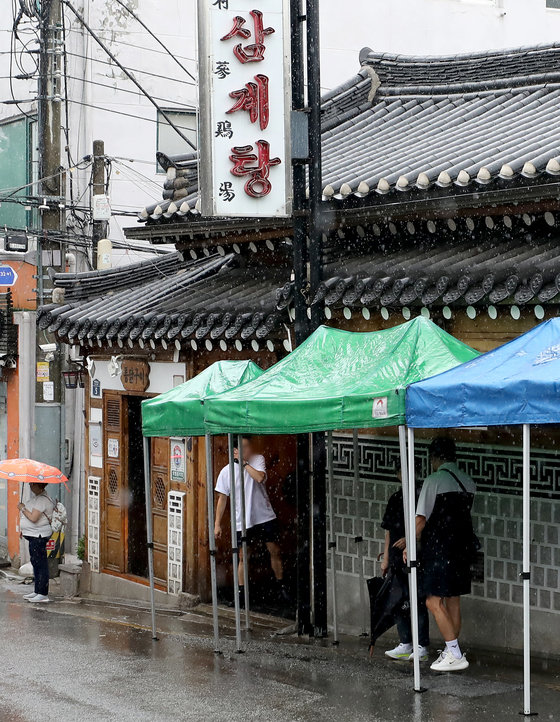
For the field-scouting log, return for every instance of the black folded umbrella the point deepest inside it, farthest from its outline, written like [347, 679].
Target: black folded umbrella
[387, 595]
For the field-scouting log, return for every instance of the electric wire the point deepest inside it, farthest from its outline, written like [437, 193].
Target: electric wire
[134, 70]
[131, 12]
[127, 72]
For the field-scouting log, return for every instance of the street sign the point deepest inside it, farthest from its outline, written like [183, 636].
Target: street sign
[8, 276]
[245, 160]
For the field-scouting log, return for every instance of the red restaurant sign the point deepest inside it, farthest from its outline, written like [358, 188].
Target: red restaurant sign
[245, 167]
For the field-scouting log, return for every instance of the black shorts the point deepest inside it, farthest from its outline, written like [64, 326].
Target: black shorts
[446, 577]
[267, 532]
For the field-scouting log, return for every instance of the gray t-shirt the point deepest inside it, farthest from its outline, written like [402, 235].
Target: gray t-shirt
[42, 527]
[441, 482]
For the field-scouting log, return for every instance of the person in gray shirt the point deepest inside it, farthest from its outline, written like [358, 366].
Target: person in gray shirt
[444, 527]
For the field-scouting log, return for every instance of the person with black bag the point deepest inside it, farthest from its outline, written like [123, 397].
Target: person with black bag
[395, 542]
[389, 594]
[448, 542]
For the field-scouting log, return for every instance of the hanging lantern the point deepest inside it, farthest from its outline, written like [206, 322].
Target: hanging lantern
[70, 379]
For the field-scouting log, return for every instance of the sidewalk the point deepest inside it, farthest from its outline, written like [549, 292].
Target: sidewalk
[101, 658]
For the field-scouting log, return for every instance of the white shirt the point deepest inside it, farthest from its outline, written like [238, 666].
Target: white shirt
[41, 527]
[441, 482]
[258, 509]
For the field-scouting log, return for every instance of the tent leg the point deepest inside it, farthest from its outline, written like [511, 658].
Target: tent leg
[412, 564]
[212, 541]
[234, 549]
[526, 570]
[244, 534]
[358, 538]
[149, 532]
[404, 477]
[319, 502]
[332, 541]
[303, 559]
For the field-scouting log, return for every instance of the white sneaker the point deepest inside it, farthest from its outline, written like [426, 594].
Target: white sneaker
[423, 653]
[39, 598]
[401, 651]
[446, 662]
[30, 595]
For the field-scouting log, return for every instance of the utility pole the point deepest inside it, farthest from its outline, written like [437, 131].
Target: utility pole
[99, 227]
[307, 250]
[48, 439]
[315, 233]
[300, 213]
[49, 124]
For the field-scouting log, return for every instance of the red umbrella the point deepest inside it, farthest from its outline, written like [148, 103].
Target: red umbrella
[31, 472]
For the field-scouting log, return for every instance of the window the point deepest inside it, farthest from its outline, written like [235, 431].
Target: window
[168, 140]
[18, 167]
[553, 4]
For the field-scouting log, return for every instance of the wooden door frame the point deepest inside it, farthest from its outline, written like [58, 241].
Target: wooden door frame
[124, 457]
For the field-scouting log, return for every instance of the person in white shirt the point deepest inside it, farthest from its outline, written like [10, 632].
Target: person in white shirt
[448, 543]
[35, 526]
[260, 520]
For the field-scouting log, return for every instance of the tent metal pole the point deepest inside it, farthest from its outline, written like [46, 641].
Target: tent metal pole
[212, 540]
[411, 552]
[332, 540]
[319, 506]
[526, 569]
[358, 536]
[404, 478]
[303, 557]
[149, 531]
[234, 548]
[244, 533]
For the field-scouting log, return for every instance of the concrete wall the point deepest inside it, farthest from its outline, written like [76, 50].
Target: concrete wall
[493, 612]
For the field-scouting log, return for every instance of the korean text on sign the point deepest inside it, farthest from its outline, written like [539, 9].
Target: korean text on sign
[245, 108]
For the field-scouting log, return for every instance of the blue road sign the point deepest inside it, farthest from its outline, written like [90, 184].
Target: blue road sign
[8, 276]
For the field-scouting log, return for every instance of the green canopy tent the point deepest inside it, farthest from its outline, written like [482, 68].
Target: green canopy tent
[179, 412]
[342, 380]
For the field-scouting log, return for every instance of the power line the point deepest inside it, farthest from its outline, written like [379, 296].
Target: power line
[125, 90]
[131, 115]
[132, 78]
[154, 36]
[151, 50]
[16, 189]
[134, 70]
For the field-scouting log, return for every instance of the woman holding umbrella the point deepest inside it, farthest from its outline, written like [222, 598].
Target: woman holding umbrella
[36, 515]
[35, 525]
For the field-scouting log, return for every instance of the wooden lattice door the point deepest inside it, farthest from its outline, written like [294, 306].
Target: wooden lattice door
[114, 482]
[160, 489]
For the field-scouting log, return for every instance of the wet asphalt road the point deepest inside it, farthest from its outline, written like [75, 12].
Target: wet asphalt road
[70, 662]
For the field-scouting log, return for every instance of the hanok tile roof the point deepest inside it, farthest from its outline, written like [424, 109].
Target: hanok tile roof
[224, 300]
[445, 272]
[411, 122]
[207, 301]
[417, 123]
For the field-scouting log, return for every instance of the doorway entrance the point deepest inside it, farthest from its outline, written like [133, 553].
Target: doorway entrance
[137, 557]
[123, 520]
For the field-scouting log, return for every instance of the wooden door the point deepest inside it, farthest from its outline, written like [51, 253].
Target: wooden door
[160, 489]
[114, 482]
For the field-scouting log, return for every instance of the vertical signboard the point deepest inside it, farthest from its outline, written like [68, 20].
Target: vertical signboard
[244, 95]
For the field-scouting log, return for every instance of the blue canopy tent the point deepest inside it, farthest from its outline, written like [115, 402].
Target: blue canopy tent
[518, 383]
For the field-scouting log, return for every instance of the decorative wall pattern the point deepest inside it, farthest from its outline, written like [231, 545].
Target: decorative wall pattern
[94, 488]
[497, 513]
[495, 469]
[175, 513]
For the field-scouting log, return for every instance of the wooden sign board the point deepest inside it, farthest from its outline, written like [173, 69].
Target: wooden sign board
[135, 374]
